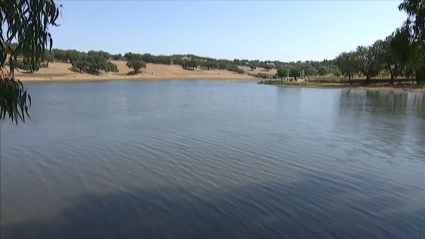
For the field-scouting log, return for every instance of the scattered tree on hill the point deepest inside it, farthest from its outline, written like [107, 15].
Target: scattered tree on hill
[136, 64]
[80, 64]
[102, 54]
[48, 57]
[253, 66]
[28, 65]
[117, 57]
[93, 63]
[110, 67]
[132, 56]
[189, 64]
[268, 67]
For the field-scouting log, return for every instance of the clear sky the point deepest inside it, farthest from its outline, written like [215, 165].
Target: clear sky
[275, 30]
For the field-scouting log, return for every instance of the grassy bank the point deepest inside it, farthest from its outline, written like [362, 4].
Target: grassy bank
[336, 85]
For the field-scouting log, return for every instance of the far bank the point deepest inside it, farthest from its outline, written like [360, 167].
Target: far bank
[379, 87]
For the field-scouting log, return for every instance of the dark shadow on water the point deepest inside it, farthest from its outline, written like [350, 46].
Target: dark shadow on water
[304, 209]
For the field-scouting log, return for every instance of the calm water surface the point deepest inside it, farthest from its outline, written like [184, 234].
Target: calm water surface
[213, 159]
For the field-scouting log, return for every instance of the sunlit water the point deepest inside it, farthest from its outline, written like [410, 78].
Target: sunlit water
[213, 159]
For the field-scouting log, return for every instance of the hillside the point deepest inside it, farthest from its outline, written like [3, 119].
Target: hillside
[58, 71]
[258, 70]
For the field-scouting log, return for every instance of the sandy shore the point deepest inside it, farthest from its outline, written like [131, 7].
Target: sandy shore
[63, 72]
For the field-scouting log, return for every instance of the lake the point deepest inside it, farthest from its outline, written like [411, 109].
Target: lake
[213, 159]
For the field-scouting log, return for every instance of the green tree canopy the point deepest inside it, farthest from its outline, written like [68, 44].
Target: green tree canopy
[102, 54]
[323, 70]
[48, 57]
[409, 40]
[283, 72]
[136, 64]
[347, 64]
[268, 67]
[368, 61]
[295, 72]
[310, 71]
[388, 57]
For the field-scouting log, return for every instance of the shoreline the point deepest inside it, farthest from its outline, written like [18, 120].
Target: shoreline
[87, 79]
[391, 88]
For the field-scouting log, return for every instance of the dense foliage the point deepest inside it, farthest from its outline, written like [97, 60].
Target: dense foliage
[91, 62]
[27, 23]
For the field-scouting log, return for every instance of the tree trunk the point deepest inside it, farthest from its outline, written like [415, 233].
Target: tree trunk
[392, 75]
[367, 80]
[295, 78]
[349, 79]
[420, 76]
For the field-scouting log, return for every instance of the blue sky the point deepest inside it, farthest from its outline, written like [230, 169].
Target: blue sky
[275, 30]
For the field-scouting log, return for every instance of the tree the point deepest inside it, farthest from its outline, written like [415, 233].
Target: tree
[110, 67]
[409, 41]
[283, 72]
[334, 70]
[102, 54]
[388, 57]
[117, 57]
[80, 64]
[368, 61]
[59, 55]
[27, 65]
[48, 57]
[310, 71]
[268, 67]
[72, 55]
[136, 64]
[253, 66]
[323, 70]
[95, 63]
[295, 72]
[415, 10]
[28, 25]
[131, 56]
[148, 58]
[347, 64]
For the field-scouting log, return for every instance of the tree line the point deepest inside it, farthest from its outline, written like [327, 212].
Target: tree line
[400, 54]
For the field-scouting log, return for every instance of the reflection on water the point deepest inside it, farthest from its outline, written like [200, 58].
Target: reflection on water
[213, 159]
